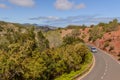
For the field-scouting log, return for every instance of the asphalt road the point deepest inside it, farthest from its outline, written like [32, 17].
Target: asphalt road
[106, 68]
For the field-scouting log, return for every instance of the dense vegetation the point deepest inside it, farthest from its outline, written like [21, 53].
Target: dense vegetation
[76, 27]
[97, 31]
[25, 54]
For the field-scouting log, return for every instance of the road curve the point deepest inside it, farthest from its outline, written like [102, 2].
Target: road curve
[106, 68]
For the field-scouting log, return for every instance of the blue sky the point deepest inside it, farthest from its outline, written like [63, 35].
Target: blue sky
[59, 12]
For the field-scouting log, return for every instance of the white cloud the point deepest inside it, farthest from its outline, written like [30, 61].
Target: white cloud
[63, 4]
[76, 20]
[51, 18]
[3, 6]
[24, 3]
[67, 5]
[80, 6]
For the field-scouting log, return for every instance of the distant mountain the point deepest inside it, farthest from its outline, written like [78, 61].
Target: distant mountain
[42, 27]
[16, 26]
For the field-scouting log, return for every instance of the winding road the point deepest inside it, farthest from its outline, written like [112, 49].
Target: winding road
[106, 68]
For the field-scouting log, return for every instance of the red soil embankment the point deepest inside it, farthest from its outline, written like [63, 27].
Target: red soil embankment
[112, 39]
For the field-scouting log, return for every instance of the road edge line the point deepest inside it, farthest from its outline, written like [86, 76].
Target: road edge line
[109, 55]
[93, 64]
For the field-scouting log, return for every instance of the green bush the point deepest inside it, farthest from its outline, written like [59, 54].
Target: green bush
[111, 48]
[83, 36]
[95, 33]
[119, 59]
[71, 39]
[75, 32]
[111, 26]
[84, 67]
[109, 40]
[1, 28]
[106, 44]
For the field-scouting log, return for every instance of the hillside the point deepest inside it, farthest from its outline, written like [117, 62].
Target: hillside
[110, 42]
[106, 36]
[32, 53]
[28, 53]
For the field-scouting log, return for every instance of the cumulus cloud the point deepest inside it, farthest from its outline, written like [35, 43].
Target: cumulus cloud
[3, 6]
[63, 4]
[80, 6]
[24, 3]
[67, 5]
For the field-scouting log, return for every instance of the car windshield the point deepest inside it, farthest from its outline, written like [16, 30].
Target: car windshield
[93, 48]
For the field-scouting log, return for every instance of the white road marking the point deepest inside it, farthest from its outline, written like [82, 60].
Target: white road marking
[106, 66]
[102, 77]
[119, 62]
[105, 72]
[109, 55]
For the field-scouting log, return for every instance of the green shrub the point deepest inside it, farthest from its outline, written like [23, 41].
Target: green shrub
[109, 40]
[111, 48]
[83, 36]
[75, 32]
[119, 59]
[83, 68]
[71, 39]
[111, 26]
[95, 33]
[1, 28]
[106, 44]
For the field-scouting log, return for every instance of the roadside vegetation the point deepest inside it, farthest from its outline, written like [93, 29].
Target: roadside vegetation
[84, 68]
[26, 53]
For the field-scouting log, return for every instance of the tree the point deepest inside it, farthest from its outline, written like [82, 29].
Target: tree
[75, 32]
[95, 33]
[42, 43]
[25, 55]
[54, 38]
[71, 39]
